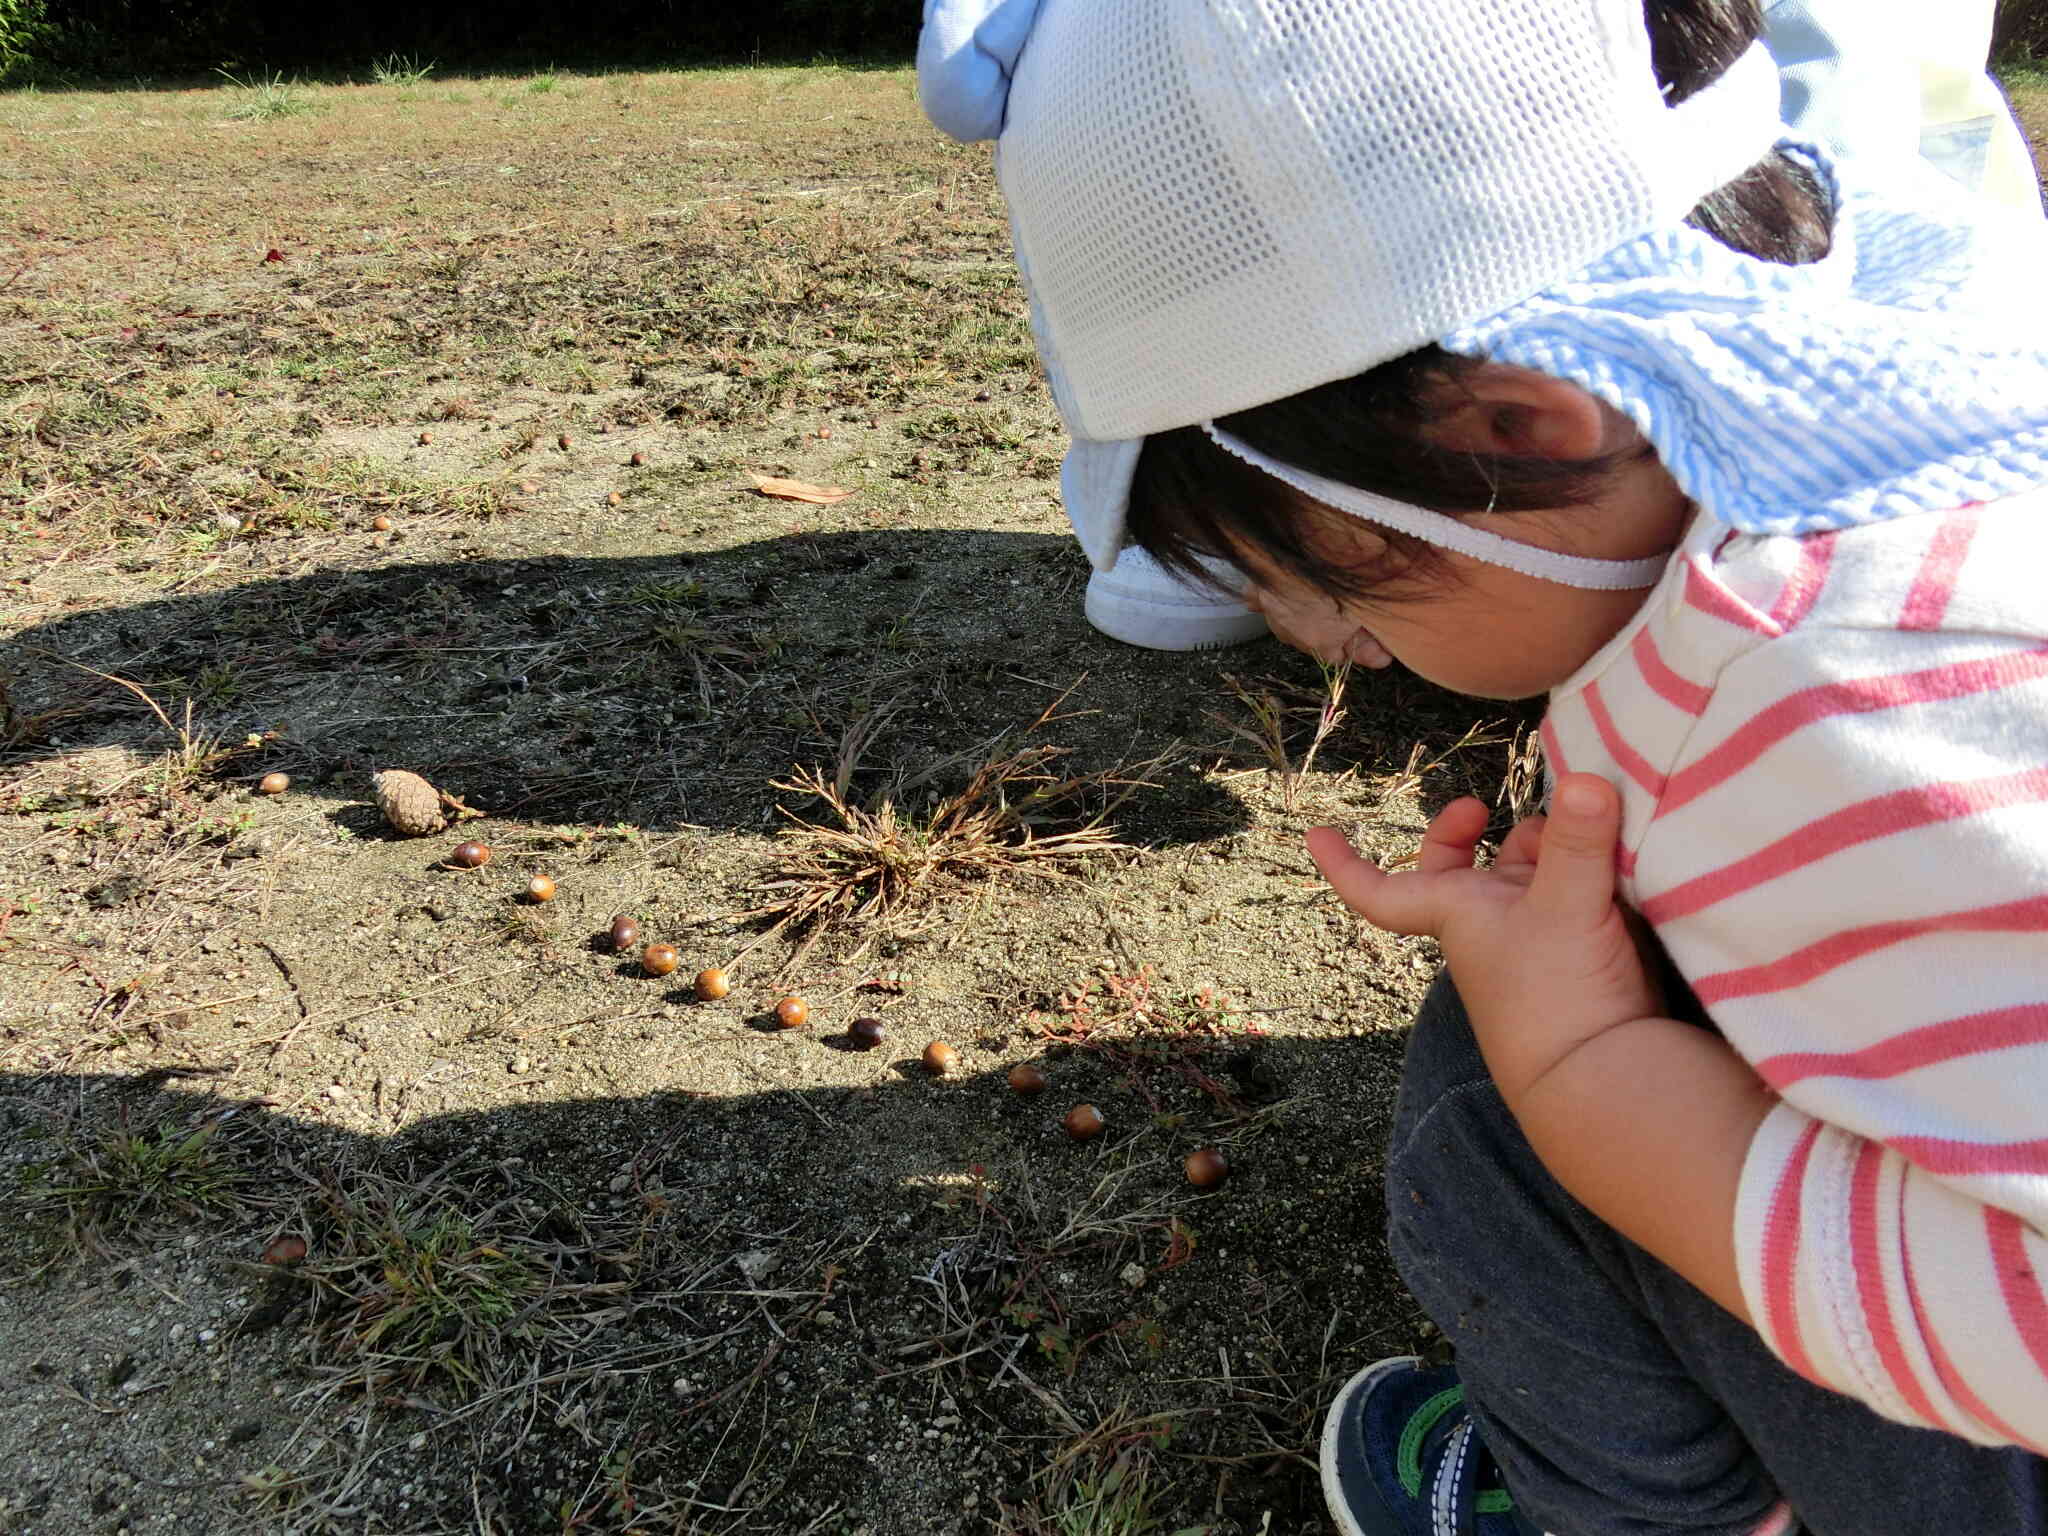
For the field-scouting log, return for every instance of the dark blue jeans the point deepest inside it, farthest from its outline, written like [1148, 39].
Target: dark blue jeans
[1617, 1398]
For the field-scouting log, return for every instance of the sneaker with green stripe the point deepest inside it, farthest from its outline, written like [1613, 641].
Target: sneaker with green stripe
[1402, 1457]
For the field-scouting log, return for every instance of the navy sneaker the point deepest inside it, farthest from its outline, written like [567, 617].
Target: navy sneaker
[1401, 1457]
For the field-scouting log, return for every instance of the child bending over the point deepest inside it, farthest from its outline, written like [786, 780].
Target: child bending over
[1508, 339]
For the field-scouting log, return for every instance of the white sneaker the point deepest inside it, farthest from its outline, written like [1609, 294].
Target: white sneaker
[1141, 603]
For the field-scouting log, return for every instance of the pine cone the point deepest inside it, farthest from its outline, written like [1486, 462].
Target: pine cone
[409, 802]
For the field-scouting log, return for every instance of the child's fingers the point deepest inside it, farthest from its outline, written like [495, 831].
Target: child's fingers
[1453, 834]
[1397, 903]
[1519, 847]
[1350, 876]
[1575, 866]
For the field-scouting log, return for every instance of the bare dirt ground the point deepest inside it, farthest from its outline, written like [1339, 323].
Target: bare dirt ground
[415, 426]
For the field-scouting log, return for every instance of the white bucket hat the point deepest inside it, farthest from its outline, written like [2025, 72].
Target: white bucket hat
[1220, 203]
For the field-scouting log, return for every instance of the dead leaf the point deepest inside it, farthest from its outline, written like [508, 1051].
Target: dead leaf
[797, 490]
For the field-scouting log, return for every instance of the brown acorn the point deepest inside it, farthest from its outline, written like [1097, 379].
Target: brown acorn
[712, 984]
[623, 934]
[273, 783]
[637, 460]
[865, 1034]
[659, 959]
[565, 442]
[1027, 1079]
[614, 499]
[940, 1058]
[1205, 1166]
[470, 856]
[426, 438]
[540, 888]
[380, 524]
[792, 1012]
[1084, 1121]
[284, 1250]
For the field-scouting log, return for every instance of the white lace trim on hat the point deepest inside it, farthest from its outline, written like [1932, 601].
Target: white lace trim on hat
[1447, 532]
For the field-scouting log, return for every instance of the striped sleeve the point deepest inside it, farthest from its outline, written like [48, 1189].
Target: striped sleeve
[1849, 861]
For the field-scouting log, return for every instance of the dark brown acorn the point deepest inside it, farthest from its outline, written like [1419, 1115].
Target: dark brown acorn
[865, 1034]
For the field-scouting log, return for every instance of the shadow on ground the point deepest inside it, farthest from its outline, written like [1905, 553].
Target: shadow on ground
[659, 691]
[903, 1305]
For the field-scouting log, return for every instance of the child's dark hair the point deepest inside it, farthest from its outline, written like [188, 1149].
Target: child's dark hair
[1190, 499]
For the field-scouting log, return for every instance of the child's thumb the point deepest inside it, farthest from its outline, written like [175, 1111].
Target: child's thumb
[1575, 865]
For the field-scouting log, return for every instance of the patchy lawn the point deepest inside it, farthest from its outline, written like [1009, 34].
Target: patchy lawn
[419, 426]
[416, 426]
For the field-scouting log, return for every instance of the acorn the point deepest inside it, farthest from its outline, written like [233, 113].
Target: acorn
[380, 524]
[1027, 1079]
[940, 1058]
[623, 934]
[712, 984]
[565, 442]
[637, 460]
[284, 1250]
[791, 1012]
[470, 856]
[824, 434]
[659, 959]
[1205, 1167]
[540, 888]
[273, 784]
[426, 438]
[614, 499]
[865, 1034]
[1084, 1121]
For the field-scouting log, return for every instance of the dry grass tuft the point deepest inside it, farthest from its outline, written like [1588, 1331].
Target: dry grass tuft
[869, 865]
[1272, 707]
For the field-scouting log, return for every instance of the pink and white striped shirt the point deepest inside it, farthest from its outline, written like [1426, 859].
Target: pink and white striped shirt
[1833, 755]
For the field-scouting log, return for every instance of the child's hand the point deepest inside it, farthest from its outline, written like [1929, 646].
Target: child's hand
[1542, 956]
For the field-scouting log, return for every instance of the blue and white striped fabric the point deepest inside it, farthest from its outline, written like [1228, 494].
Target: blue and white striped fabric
[1906, 371]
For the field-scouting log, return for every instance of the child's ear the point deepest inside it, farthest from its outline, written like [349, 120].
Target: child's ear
[1499, 409]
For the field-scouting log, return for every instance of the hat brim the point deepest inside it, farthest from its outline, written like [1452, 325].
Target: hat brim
[1095, 484]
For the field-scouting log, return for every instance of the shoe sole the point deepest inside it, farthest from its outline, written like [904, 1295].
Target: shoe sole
[1334, 1423]
[1155, 626]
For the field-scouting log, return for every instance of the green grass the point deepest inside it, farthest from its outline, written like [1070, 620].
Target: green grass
[416, 1293]
[124, 1181]
[400, 69]
[265, 97]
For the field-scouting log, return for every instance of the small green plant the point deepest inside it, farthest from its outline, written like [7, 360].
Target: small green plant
[414, 1294]
[1115, 1500]
[261, 98]
[127, 1179]
[401, 69]
[541, 84]
[1102, 1484]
